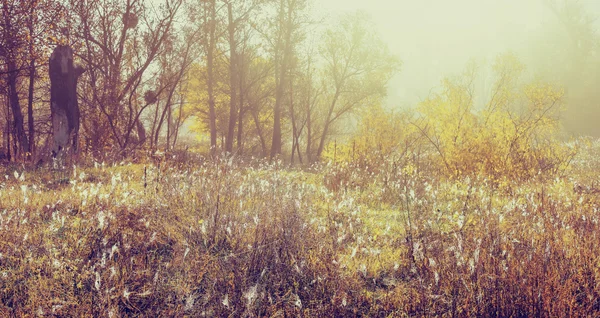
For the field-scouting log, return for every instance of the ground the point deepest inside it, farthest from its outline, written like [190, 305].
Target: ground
[251, 238]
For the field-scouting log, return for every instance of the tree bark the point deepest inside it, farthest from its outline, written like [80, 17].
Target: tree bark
[308, 135]
[241, 106]
[32, 69]
[328, 122]
[30, 108]
[212, 116]
[285, 46]
[261, 136]
[18, 123]
[7, 131]
[63, 98]
[232, 81]
[296, 131]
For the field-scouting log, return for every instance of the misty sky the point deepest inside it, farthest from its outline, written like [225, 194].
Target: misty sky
[435, 38]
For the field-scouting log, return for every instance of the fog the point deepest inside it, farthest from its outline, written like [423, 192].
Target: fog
[435, 39]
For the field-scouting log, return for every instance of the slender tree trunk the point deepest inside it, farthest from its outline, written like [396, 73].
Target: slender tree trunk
[280, 73]
[141, 131]
[154, 125]
[240, 128]
[276, 143]
[212, 116]
[7, 131]
[30, 108]
[323, 139]
[241, 107]
[179, 122]
[308, 135]
[32, 70]
[232, 81]
[169, 126]
[162, 118]
[295, 133]
[261, 136]
[286, 46]
[328, 122]
[18, 123]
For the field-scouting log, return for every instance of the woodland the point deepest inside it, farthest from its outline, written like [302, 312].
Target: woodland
[240, 158]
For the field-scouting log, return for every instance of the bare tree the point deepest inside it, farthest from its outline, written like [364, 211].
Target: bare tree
[357, 69]
[288, 31]
[12, 40]
[121, 40]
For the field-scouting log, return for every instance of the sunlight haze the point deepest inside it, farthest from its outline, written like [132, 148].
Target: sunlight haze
[435, 38]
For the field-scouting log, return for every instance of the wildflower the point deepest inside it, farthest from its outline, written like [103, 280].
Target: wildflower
[296, 300]
[126, 294]
[97, 284]
[187, 250]
[225, 301]
[251, 294]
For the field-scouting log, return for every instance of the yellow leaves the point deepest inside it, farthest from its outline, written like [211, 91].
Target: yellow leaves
[380, 133]
[543, 96]
[507, 65]
[409, 169]
[504, 138]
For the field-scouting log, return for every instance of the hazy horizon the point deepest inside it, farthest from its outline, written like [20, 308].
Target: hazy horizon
[435, 38]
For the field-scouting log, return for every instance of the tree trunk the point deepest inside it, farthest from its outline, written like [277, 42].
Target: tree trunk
[162, 118]
[179, 122]
[16, 109]
[141, 132]
[30, 108]
[31, 84]
[241, 107]
[283, 64]
[263, 143]
[308, 135]
[212, 116]
[328, 122]
[63, 98]
[153, 145]
[169, 126]
[295, 130]
[232, 81]
[7, 128]
[276, 143]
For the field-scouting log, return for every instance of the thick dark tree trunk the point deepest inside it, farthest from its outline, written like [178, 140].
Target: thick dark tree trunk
[63, 98]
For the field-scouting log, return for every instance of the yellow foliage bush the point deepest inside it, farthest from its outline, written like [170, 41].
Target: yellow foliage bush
[514, 135]
[381, 135]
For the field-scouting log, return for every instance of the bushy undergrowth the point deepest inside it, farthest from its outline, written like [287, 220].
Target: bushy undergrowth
[367, 238]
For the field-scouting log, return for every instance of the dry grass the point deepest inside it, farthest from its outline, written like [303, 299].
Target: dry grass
[229, 238]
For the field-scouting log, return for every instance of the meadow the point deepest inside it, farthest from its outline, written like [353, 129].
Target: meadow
[242, 237]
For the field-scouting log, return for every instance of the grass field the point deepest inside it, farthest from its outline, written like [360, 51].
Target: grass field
[234, 238]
